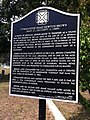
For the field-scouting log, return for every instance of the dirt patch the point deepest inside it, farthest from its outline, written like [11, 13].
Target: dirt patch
[73, 111]
[18, 108]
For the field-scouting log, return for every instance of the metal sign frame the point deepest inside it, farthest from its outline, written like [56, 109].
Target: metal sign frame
[42, 21]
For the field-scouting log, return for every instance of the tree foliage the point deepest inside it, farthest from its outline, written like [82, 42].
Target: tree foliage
[85, 57]
[12, 9]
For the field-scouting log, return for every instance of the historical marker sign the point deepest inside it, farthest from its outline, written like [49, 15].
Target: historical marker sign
[45, 55]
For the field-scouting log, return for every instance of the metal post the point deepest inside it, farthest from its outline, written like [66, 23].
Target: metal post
[42, 109]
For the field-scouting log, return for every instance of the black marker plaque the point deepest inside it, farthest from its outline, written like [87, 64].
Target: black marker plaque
[45, 55]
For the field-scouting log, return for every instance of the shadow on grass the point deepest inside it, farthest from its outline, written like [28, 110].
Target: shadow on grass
[4, 78]
[84, 113]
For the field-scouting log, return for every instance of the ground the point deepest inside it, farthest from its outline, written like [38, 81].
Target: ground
[73, 111]
[17, 108]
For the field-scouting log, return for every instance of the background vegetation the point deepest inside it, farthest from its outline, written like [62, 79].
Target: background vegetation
[14, 9]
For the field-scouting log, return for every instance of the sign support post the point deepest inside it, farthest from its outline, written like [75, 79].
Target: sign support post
[42, 109]
[42, 102]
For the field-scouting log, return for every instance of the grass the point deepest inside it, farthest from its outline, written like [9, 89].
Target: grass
[85, 102]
